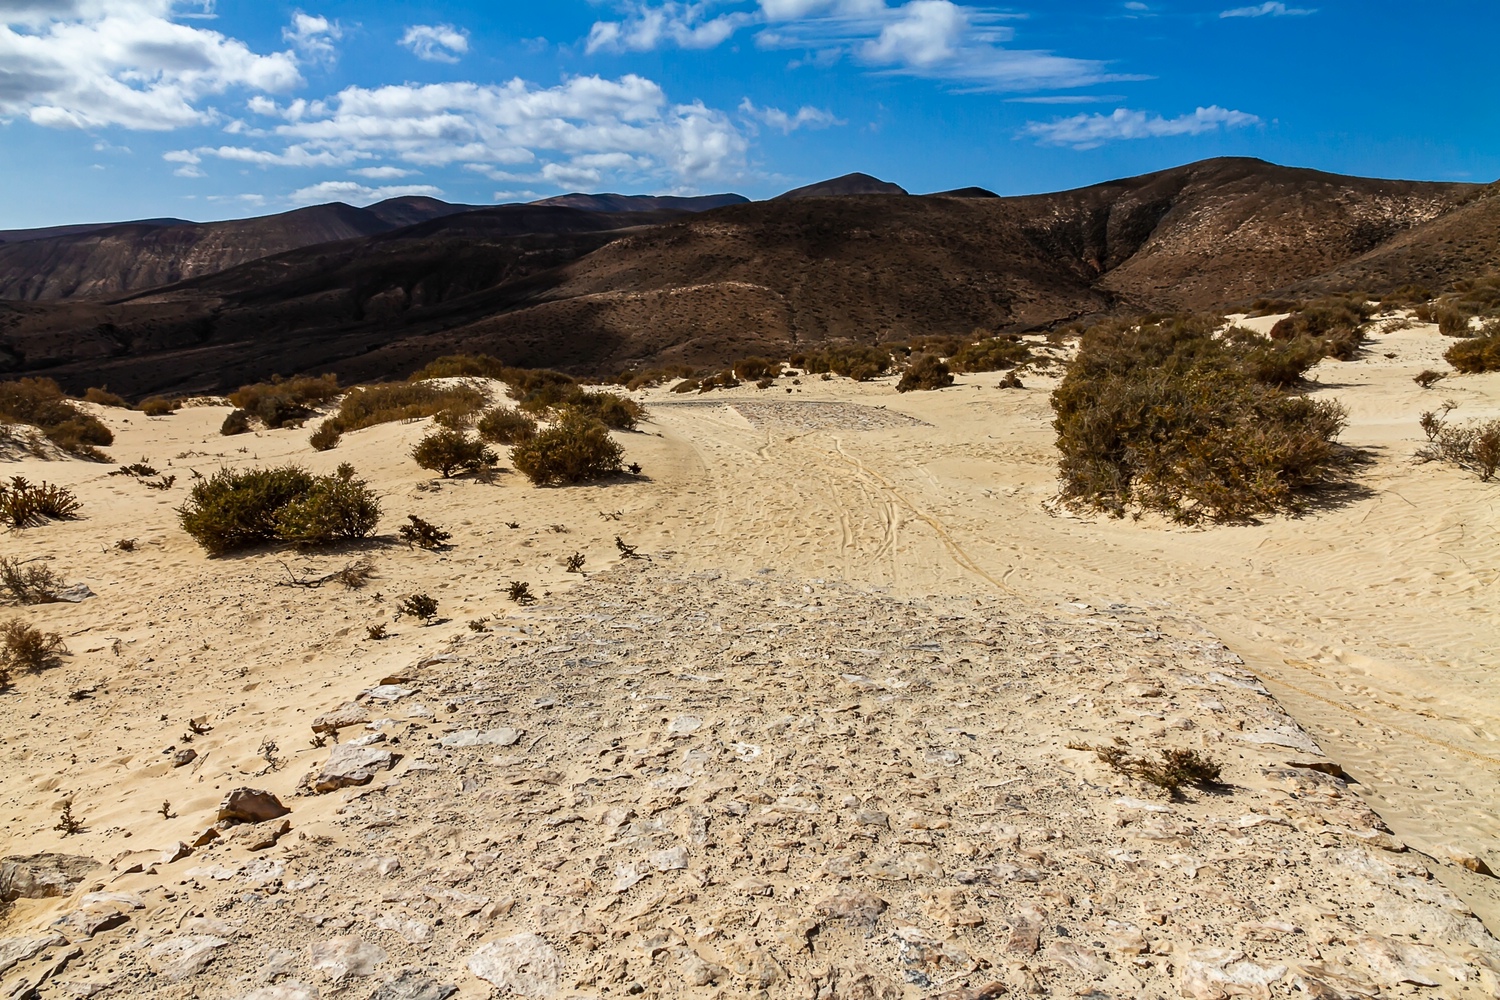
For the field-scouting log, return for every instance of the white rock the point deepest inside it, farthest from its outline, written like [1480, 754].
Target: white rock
[182, 956]
[670, 860]
[341, 957]
[291, 990]
[13, 950]
[478, 738]
[524, 964]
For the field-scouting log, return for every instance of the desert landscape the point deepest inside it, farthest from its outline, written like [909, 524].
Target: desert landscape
[840, 700]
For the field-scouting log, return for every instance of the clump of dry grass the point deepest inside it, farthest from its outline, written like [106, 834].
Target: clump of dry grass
[1171, 770]
[27, 649]
[24, 505]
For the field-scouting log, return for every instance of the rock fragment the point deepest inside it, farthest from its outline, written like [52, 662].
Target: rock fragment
[38, 876]
[412, 985]
[250, 805]
[21, 949]
[177, 958]
[341, 957]
[524, 964]
[351, 765]
[351, 714]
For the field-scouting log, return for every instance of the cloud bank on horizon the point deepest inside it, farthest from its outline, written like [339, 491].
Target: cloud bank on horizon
[358, 104]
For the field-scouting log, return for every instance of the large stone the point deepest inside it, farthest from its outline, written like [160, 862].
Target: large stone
[250, 805]
[341, 957]
[481, 738]
[13, 950]
[412, 985]
[351, 765]
[182, 956]
[352, 714]
[290, 990]
[854, 905]
[38, 876]
[524, 964]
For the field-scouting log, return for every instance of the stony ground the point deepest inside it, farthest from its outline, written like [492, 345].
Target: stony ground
[671, 784]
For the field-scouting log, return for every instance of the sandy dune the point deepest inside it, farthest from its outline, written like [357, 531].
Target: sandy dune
[1370, 621]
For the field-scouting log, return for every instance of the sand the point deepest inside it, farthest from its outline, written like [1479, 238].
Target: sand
[1370, 620]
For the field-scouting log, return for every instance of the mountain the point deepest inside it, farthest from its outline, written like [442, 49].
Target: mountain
[408, 211]
[596, 292]
[841, 187]
[24, 235]
[642, 203]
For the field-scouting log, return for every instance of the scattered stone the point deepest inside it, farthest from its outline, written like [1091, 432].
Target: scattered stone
[350, 765]
[481, 738]
[178, 958]
[1465, 859]
[351, 714]
[524, 964]
[184, 757]
[854, 905]
[388, 692]
[697, 972]
[259, 836]
[341, 957]
[250, 805]
[412, 985]
[1214, 973]
[38, 876]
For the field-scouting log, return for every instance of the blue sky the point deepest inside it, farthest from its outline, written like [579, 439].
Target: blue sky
[116, 109]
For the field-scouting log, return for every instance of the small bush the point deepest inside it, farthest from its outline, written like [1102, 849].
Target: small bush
[1474, 446]
[1337, 322]
[753, 369]
[520, 592]
[1170, 771]
[993, 355]
[687, 385]
[368, 406]
[235, 422]
[334, 509]
[850, 360]
[285, 402]
[23, 505]
[1427, 378]
[326, 437]
[104, 397]
[23, 648]
[126, 545]
[720, 380]
[447, 451]
[1010, 381]
[376, 632]
[1452, 322]
[40, 403]
[506, 425]
[610, 409]
[925, 372]
[577, 449]
[422, 533]
[463, 366]
[423, 607]
[159, 406]
[28, 583]
[1475, 355]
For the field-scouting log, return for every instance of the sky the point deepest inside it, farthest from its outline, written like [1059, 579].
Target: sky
[212, 109]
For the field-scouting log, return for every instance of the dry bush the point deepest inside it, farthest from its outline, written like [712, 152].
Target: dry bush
[423, 607]
[577, 449]
[23, 505]
[687, 385]
[652, 377]
[1453, 322]
[422, 533]
[159, 406]
[1427, 378]
[28, 583]
[1474, 446]
[448, 451]
[1337, 322]
[925, 372]
[367, 406]
[104, 397]
[1168, 416]
[235, 422]
[24, 648]
[854, 361]
[239, 509]
[1477, 354]
[1170, 771]
[520, 592]
[303, 391]
[753, 369]
[506, 425]
[40, 403]
[463, 366]
[708, 383]
[325, 437]
[992, 355]
[1406, 295]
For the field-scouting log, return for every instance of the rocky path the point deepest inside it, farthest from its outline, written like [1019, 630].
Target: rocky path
[687, 784]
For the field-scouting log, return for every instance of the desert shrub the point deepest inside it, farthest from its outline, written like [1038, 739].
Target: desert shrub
[610, 409]
[1427, 378]
[462, 366]
[652, 377]
[284, 401]
[104, 397]
[28, 583]
[422, 533]
[334, 509]
[850, 360]
[944, 345]
[23, 647]
[367, 406]
[506, 425]
[239, 509]
[576, 450]
[687, 385]
[992, 355]
[1336, 321]
[1270, 307]
[235, 422]
[40, 403]
[326, 436]
[925, 372]
[753, 369]
[520, 592]
[159, 406]
[448, 450]
[1406, 295]
[23, 505]
[1452, 322]
[423, 607]
[1168, 416]
[1474, 446]
[1474, 355]
[1170, 770]
[719, 380]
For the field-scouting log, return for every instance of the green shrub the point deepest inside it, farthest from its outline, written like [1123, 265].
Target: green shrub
[925, 372]
[993, 355]
[944, 345]
[23, 505]
[284, 401]
[447, 451]
[334, 509]
[327, 435]
[506, 425]
[577, 449]
[1474, 355]
[367, 406]
[423, 533]
[40, 403]
[103, 397]
[159, 406]
[610, 409]
[850, 360]
[423, 607]
[23, 647]
[1168, 416]
[235, 422]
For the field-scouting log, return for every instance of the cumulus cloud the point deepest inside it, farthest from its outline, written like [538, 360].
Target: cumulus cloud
[313, 37]
[382, 173]
[1091, 131]
[95, 63]
[937, 39]
[436, 42]
[806, 117]
[573, 134]
[350, 191]
[1269, 10]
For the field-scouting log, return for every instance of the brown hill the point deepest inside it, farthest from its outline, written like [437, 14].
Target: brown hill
[547, 286]
[843, 187]
[642, 203]
[49, 232]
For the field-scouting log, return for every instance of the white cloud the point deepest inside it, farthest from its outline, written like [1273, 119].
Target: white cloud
[313, 37]
[806, 117]
[382, 173]
[585, 127]
[95, 63]
[436, 42]
[1092, 131]
[350, 191]
[1269, 8]
[686, 25]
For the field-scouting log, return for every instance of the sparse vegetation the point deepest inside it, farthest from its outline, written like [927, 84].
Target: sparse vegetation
[1336, 323]
[507, 425]
[103, 397]
[159, 406]
[23, 505]
[754, 369]
[708, 383]
[1010, 381]
[325, 436]
[375, 632]
[1475, 355]
[462, 366]
[235, 422]
[422, 533]
[284, 402]
[24, 649]
[851, 360]
[479, 624]
[67, 822]
[367, 406]
[447, 451]
[125, 545]
[40, 403]
[422, 607]
[1171, 770]
[520, 592]
[992, 355]
[1474, 446]
[28, 582]
[574, 563]
[926, 372]
[1427, 378]
[164, 483]
[577, 449]
[239, 509]
[1166, 416]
